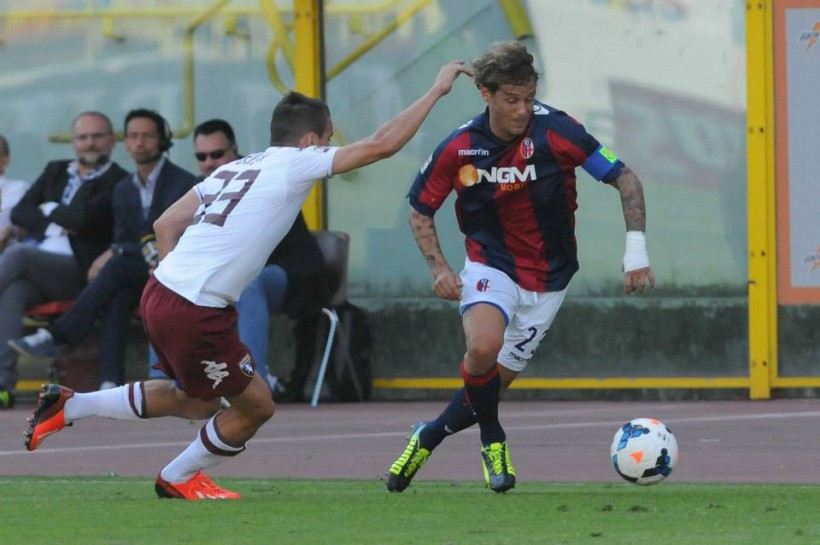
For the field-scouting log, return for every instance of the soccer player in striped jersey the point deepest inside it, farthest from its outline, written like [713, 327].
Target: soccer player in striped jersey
[212, 243]
[512, 168]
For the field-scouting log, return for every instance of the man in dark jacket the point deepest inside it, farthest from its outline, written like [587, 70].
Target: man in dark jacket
[120, 273]
[67, 217]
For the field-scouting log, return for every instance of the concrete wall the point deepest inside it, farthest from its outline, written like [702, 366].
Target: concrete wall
[604, 337]
[592, 337]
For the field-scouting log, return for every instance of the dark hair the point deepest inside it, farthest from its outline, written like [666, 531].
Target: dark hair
[295, 116]
[4, 146]
[93, 113]
[163, 128]
[213, 126]
[506, 63]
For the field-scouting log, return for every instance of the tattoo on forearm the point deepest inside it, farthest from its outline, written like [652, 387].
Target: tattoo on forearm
[424, 231]
[632, 201]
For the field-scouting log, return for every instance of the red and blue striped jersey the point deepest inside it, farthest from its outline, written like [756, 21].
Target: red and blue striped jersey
[516, 201]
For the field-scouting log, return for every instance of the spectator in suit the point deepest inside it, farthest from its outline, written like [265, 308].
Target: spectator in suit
[11, 191]
[119, 274]
[67, 212]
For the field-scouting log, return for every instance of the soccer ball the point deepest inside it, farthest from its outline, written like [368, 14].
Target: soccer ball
[644, 451]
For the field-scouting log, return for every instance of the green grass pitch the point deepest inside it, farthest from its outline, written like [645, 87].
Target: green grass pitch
[125, 511]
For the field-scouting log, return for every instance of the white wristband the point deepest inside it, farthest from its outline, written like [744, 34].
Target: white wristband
[635, 256]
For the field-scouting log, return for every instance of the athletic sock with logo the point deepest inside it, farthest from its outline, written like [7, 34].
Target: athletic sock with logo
[457, 416]
[483, 394]
[207, 450]
[120, 403]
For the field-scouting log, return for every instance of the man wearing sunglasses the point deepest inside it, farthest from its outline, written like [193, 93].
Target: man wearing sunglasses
[214, 145]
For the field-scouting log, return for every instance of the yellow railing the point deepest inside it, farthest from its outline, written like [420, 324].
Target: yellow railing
[610, 383]
[273, 14]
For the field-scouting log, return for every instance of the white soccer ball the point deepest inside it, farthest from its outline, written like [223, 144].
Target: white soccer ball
[644, 451]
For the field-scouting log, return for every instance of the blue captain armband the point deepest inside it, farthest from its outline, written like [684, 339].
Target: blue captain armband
[601, 163]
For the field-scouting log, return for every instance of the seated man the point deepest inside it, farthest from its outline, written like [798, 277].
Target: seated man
[119, 275]
[71, 199]
[214, 145]
[11, 191]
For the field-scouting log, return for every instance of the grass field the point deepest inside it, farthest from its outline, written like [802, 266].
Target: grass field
[120, 511]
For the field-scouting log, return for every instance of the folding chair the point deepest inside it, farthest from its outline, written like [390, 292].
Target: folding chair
[335, 246]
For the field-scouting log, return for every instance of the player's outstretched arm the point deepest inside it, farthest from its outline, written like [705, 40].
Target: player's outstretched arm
[172, 223]
[638, 274]
[393, 135]
[446, 283]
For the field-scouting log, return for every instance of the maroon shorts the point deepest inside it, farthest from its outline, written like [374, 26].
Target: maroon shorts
[197, 346]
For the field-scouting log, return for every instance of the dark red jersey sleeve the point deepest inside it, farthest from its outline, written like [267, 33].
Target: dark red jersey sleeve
[435, 180]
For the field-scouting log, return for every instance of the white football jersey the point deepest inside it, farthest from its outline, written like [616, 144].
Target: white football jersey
[246, 208]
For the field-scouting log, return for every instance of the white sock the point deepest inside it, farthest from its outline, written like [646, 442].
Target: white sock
[207, 450]
[120, 403]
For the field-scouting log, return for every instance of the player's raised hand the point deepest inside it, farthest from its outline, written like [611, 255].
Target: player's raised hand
[639, 280]
[447, 285]
[449, 73]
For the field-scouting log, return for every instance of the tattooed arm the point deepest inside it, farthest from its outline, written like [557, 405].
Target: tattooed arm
[638, 274]
[446, 283]
[631, 190]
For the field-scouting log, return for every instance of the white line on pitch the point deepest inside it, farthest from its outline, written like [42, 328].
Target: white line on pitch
[331, 437]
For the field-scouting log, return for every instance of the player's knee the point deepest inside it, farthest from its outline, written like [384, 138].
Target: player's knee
[201, 410]
[259, 412]
[266, 411]
[484, 350]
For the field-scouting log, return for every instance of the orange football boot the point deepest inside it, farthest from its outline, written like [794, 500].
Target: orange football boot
[198, 487]
[48, 416]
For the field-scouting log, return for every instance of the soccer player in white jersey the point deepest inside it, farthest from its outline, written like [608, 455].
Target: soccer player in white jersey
[212, 243]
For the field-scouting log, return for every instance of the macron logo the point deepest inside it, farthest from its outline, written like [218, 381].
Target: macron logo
[473, 152]
[215, 372]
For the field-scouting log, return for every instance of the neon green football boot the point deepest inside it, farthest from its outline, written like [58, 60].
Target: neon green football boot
[499, 473]
[404, 469]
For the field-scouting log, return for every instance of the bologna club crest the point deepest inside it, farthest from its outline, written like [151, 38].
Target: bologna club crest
[482, 285]
[527, 148]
